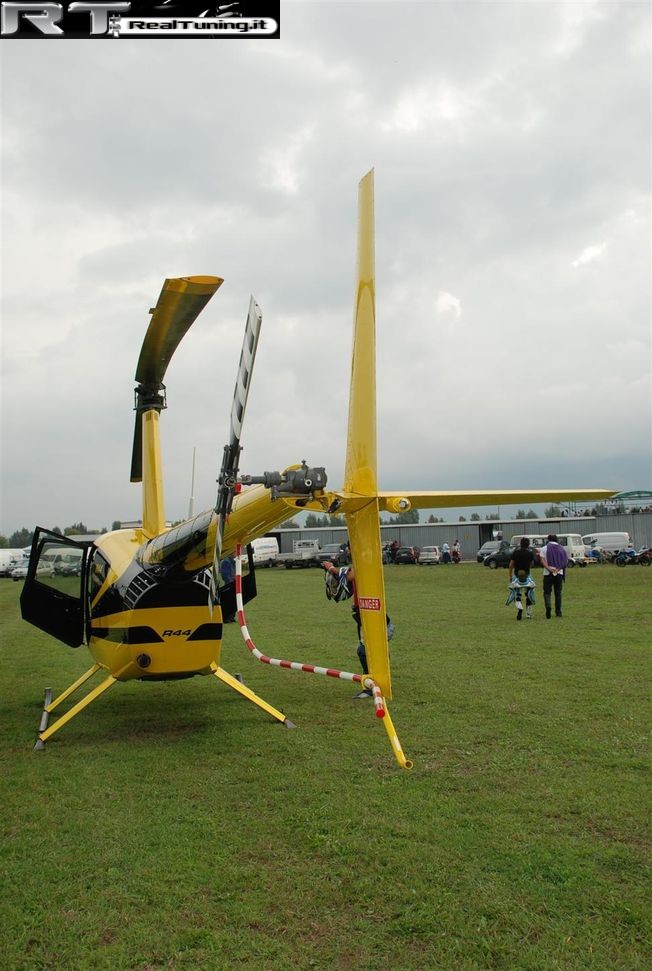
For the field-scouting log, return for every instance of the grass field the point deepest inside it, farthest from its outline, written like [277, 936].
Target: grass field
[174, 825]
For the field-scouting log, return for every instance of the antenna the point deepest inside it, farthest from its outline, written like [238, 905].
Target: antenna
[191, 504]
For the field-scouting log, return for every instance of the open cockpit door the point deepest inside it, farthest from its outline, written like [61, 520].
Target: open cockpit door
[54, 597]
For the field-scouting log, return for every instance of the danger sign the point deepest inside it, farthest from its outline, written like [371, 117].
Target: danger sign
[369, 603]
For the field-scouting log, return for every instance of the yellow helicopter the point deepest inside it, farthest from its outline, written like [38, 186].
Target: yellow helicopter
[148, 601]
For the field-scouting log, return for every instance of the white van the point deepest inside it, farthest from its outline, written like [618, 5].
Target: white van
[612, 542]
[574, 547]
[265, 551]
[9, 559]
[536, 540]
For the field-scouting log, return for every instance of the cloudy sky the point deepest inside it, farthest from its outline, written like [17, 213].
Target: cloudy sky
[511, 147]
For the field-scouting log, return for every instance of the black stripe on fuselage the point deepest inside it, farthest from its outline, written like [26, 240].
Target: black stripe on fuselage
[138, 589]
[127, 635]
[207, 632]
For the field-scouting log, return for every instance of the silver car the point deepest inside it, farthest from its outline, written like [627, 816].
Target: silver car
[20, 572]
[429, 556]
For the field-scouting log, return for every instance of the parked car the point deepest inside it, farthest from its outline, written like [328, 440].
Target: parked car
[45, 568]
[407, 554]
[20, 572]
[337, 553]
[503, 555]
[490, 547]
[499, 557]
[68, 564]
[429, 555]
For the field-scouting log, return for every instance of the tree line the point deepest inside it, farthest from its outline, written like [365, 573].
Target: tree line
[23, 537]
[411, 517]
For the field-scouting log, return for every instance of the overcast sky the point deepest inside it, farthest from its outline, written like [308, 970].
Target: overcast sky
[511, 147]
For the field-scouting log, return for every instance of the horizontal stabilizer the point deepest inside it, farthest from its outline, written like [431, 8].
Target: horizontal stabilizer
[390, 501]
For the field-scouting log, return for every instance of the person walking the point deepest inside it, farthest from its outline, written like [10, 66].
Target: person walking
[554, 560]
[520, 579]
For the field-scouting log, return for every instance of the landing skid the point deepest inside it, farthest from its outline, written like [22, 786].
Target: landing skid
[46, 731]
[45, 717]
[238, 685]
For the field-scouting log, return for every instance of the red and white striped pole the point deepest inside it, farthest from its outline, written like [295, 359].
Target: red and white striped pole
[362, 679]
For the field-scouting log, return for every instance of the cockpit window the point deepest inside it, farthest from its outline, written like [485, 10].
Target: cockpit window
[99, 570]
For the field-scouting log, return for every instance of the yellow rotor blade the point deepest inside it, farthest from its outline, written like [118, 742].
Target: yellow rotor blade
[180, 302]
[360, 474]
[360, 469]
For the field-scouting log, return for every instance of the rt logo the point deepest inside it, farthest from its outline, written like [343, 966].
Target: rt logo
[45, 17]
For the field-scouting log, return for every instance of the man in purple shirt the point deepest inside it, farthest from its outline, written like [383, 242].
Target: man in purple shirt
[554, 560]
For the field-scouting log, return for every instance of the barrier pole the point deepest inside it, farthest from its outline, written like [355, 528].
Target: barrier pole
[362, 679]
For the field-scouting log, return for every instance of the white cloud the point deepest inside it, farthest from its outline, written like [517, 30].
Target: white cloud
[590, 254]
[510, 144]
[575, 22]
[283, 166]
[446, 303]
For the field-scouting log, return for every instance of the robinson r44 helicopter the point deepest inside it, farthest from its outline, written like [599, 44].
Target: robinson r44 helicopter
[147, 601]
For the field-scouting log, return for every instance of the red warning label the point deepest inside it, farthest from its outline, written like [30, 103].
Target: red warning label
[369, 603]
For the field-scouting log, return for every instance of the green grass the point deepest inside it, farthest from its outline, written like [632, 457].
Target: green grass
[176, 825]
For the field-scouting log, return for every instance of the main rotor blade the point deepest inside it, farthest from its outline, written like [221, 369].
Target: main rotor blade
[360, 474]
[360, 469]
[229, 471]
[180, 302]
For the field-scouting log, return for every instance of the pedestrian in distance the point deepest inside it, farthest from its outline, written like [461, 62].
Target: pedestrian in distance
[520, 579]
[554, 560]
